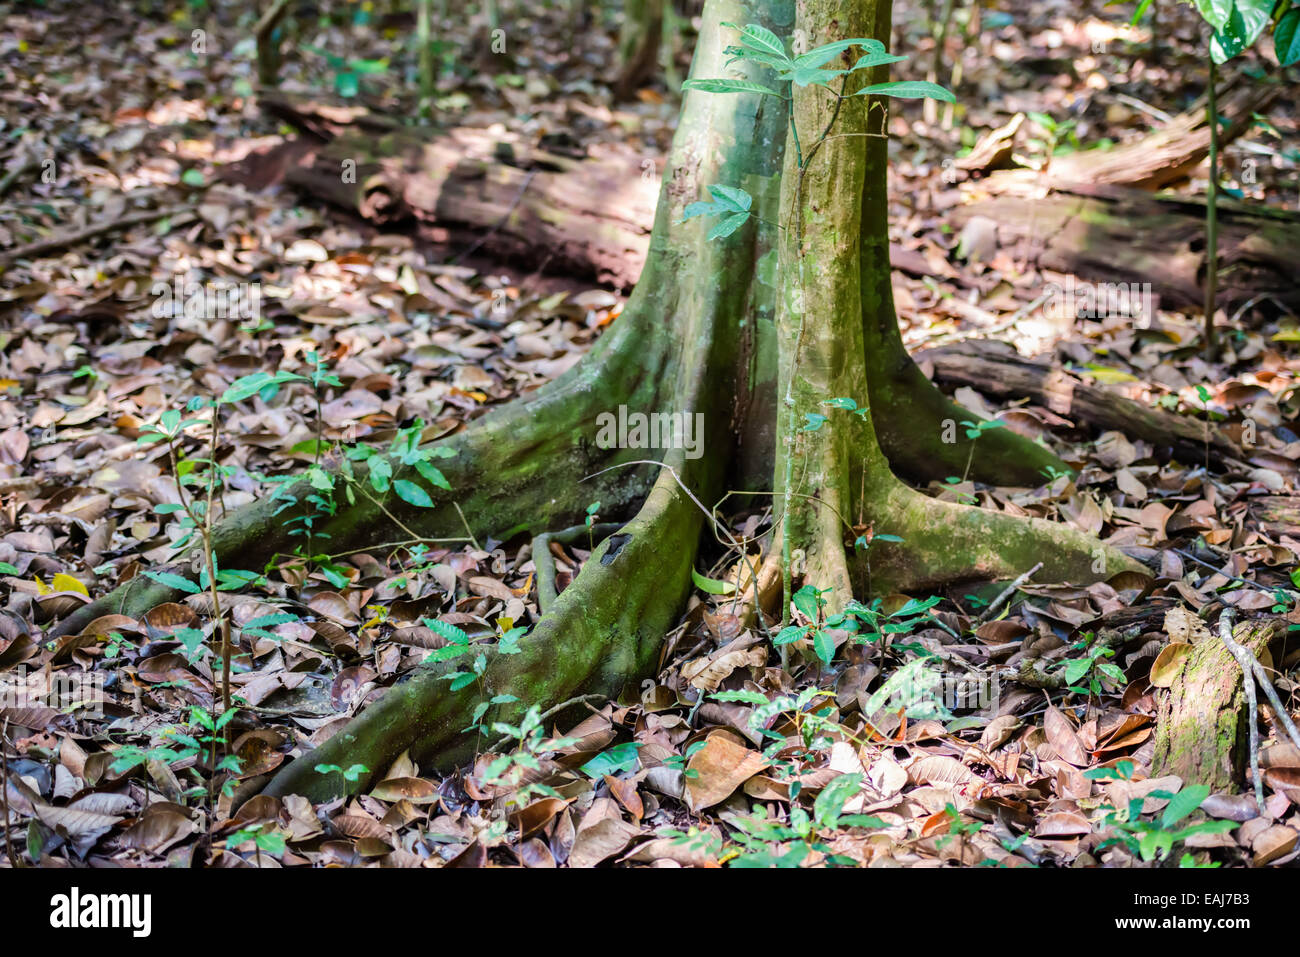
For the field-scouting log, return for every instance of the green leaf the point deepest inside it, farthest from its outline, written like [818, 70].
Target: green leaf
[1184, 803]
[191, 639]
[381, 474]
[270, 621]
[8, 569]
[760, 39]
[193, 177]
[788, 634]
[728, 226]
[748, 697]
[1215, 12]
[1245, 24]
[432, 475]
[174, 581]
[711, 585]
[831, 801]
[874, 60]
[1076, 669]
[824, 645]
[412, 493]
[819, 55]
[463, 680]
[806, 600]
[617, 759]
[908, 90]
[815, 421]
[719, 85]
[1286, 38]
[446, 630]
[811, 76]
[733, 198]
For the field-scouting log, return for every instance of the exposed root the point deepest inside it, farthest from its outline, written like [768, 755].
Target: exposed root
[944, 542]
[604, 630]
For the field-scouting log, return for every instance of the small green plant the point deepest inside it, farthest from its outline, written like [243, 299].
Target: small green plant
[1153, 839]
[270, 841]
[511, 770]
[762, 841]
[958, 830]
[180, 745]
[1085, 675]
[349, 775]
[865, 623]
[973, 432]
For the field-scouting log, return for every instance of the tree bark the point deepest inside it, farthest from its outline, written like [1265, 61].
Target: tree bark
[1201, 731]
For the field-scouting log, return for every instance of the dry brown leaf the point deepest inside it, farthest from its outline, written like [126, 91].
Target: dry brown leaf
[721, 766]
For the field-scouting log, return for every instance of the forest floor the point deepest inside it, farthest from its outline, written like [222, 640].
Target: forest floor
[139, 126]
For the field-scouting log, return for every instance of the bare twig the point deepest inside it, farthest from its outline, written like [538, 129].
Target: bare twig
[1006, 593]
[4, 793]
[62, 240]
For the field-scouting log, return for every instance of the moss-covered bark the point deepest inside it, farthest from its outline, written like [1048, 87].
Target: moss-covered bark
[1201, 729]
[840, 347]
[917, 425]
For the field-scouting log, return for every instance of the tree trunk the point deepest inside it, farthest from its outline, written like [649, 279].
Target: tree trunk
[1201, 731]
[696, 338]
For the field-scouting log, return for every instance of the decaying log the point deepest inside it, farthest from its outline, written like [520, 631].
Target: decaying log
[1117, 235]
[587, 217]
[996, 369]
[1166, 155]
[592, 217]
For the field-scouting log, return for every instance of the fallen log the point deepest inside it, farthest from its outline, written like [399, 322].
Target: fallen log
[997, 370]
[1119, 235]
[1166, 155]
[591, 217]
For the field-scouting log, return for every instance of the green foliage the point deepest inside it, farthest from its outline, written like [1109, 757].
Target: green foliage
[1085, 675]
[509, 771]
[350, 774]
[765, 842]
[180, 745]
[1237, 24]
[728, 201]
[759, 45]
[1152, 839]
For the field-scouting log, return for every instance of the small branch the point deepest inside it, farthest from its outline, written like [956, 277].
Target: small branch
[1006, 593]
[468, 531]
[55, 243]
